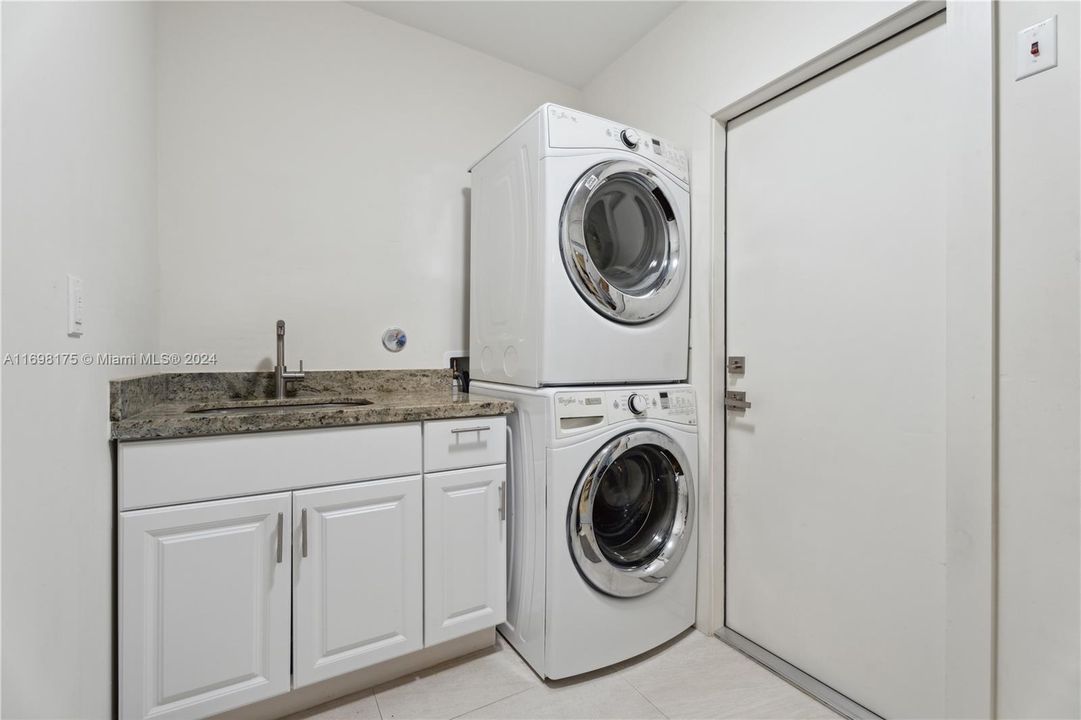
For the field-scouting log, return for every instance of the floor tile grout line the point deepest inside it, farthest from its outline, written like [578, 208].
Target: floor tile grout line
[625, 673]
[642, 695]
[493, 702]
[466, 660]
[375, 696]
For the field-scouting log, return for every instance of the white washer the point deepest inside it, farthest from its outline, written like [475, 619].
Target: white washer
[579, 255]
[603, 552]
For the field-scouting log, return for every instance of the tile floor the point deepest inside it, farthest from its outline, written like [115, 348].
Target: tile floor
[694, 676]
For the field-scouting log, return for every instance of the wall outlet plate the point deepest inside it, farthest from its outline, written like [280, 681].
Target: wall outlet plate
[1037, 48]
[76, 306]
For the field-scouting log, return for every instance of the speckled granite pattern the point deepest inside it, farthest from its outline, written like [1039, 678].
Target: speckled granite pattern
[159, 406]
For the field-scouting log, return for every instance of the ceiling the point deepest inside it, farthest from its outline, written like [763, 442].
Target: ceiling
[570, 41]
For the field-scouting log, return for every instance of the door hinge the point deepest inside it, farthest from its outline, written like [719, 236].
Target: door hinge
[736, 400]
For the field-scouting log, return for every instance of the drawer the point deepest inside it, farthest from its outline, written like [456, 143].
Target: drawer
[470, 442]
[169, 472]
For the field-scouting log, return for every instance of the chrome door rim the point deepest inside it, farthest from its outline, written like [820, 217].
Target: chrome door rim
[591, 562]
[587, 278]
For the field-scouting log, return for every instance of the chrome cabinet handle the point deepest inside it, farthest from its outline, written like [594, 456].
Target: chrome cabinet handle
[478, 428]
[304, 532]
[503, 500]
[281, 530]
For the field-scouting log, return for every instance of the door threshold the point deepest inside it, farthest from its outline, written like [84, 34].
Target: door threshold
[821, 692]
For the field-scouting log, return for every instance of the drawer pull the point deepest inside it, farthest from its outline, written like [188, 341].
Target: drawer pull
[281, 530]
[476, 428]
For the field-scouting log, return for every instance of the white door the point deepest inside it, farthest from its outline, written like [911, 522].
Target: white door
[357, 576]
[836, 297]
[204, 606]
[465, 552]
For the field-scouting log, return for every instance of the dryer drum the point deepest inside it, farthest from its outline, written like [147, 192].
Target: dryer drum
[621, 243]
[631, 514]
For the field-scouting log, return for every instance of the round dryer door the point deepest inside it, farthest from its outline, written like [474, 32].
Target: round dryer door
[621, 243]
[631, 514]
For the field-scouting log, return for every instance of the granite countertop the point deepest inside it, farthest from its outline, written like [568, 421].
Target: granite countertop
[160, 406]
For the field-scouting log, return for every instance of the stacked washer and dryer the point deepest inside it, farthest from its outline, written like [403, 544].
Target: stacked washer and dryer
[579, 312]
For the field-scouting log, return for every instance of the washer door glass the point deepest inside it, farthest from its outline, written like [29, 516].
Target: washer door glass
[621, 243]
[631, 514]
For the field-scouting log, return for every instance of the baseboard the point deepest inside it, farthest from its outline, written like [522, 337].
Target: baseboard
[308, 697]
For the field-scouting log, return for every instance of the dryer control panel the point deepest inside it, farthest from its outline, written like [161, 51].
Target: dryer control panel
[575, 129]
[580, 410]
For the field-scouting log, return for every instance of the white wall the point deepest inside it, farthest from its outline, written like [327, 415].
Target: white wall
[707, 55]
[78, 181]
[313, 166]
[703, 57]
[1039, 667]
[286, 191]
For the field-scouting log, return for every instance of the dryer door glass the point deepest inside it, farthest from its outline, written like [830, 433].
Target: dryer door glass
[621, 243]
[626, 234]
[631, 514]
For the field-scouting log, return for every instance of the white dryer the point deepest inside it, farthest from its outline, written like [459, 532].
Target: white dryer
[602, 557]
[579, 255]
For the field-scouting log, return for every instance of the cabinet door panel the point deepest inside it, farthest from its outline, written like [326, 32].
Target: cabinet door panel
[358, 591]
[465, 552]
[204, 607]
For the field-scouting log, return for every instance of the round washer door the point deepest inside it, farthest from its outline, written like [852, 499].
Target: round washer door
[621, 243]
[631, 514]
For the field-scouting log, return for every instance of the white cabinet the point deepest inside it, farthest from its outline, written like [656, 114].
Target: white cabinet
[472, 442]
[204, 606]
[154, 473]
[360, 560]
[465, 551]
[357, 576]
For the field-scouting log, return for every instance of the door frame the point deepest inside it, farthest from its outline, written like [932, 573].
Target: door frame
[971, 344]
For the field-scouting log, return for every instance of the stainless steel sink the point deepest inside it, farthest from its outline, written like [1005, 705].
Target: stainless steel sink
[276, 406]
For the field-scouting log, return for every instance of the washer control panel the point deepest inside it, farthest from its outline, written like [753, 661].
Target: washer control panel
[581, 410]
[671, 405]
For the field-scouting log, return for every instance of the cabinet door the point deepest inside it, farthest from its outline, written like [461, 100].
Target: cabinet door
[465, 570]
[204, 606]
[357, 576]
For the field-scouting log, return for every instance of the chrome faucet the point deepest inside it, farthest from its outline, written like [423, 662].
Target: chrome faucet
[282, 374]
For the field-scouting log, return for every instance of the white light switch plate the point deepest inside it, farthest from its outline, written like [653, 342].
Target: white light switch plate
[1044, 35]
[75, 306]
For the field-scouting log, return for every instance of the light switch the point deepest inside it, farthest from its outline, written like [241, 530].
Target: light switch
[75, 306]
[1037, 48]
